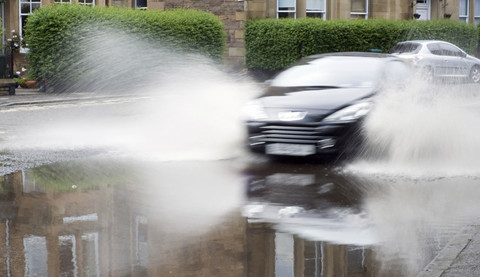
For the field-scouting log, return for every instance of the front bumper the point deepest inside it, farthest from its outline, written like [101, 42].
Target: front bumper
[324, 139]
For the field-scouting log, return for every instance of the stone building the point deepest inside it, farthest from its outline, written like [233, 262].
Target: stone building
[234, 13]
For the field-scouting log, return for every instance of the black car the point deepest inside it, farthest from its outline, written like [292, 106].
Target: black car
[316, 106]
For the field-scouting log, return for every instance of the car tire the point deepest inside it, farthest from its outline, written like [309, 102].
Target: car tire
[475, 74]
[427, 73]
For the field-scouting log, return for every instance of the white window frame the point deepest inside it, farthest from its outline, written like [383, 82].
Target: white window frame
[463, 17]
[292, 11]
[31, 4]
[322, 10]
[84, 2]
[365, 13]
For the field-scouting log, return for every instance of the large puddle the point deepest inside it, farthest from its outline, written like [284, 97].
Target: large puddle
[99, 217]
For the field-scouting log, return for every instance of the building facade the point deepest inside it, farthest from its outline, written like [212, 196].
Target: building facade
[234, 13]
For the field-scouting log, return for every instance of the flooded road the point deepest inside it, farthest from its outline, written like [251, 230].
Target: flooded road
[104, 217]
[113, 186]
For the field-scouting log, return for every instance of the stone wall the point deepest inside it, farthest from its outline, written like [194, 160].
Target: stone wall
[233, 15]
[394, 9]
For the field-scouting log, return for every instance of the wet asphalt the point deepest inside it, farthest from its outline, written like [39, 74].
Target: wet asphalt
[460, 257]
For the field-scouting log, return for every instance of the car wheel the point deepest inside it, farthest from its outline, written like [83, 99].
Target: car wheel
[475, 74]
[427, 73]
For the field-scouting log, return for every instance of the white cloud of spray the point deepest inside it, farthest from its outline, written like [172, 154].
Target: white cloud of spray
[166, 105]
[424, 130]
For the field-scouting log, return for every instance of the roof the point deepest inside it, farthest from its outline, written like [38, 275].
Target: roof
[424, 41]
[351, 54]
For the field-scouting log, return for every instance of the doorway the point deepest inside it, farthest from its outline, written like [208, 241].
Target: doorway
[423, 9]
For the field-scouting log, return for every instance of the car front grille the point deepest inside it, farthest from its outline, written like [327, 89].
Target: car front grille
[295, 134]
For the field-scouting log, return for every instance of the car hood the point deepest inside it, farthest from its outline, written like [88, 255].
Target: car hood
[325, 99]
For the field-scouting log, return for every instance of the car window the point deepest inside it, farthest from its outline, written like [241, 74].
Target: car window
[434, 48]
[450, 50]
[334, 71]
[406, 47]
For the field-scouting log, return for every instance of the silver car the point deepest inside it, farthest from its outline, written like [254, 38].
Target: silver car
[439, 59]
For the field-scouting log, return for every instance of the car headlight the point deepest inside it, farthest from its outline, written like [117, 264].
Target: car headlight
[254, 110]
[350, 113]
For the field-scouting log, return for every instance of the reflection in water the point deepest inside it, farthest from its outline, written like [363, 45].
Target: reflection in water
[414, 218]
[36, 254]
[185, 219]
[284, 259]
[128, 224]
[67, 250]
[316, 203]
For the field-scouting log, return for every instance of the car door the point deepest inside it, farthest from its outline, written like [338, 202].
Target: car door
[454, 61]
[436, 60]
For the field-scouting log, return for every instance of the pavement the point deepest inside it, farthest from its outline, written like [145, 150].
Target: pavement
[35, 96]
[459, 258]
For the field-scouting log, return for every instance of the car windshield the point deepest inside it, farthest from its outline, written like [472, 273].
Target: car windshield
[332, 72]
[406, 47]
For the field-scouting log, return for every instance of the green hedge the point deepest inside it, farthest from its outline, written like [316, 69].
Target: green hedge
[55, 34]
[80, 176]
[273, 44]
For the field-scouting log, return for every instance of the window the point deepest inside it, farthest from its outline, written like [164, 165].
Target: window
[90, 255]
[435, 48]
[286, 9]
[35, 249]
[140, 4]
[141, 240]
[26, 8]
[450, 50]
[316, 8]
[313, 251]
[359, 9]
[68, 252]
[63, 1]
[406, 47]
[463, 8]
[284, 254]
[87, 2]
[356, 260]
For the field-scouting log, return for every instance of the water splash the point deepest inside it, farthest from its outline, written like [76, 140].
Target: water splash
[425, 130]
[145, 101]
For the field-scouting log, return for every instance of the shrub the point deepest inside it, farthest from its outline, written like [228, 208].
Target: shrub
[273, 44]
[55, 35]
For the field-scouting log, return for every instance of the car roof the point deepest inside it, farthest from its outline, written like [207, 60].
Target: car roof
[308, 59]
[424, 41]
[351, 54]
